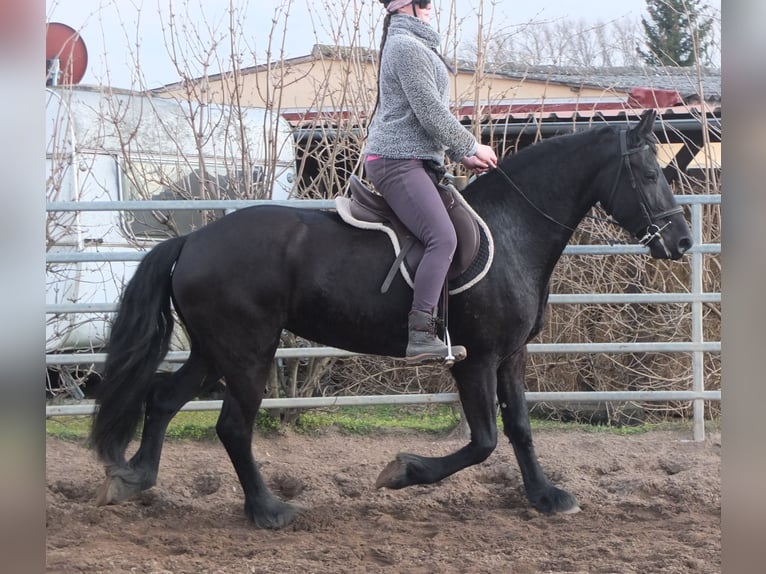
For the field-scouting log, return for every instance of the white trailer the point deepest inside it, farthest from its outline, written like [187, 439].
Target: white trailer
[106, 145]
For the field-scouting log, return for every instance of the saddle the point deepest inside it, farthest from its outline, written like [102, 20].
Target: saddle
[366, 209]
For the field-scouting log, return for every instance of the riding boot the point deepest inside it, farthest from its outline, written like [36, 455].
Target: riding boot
[423, 344]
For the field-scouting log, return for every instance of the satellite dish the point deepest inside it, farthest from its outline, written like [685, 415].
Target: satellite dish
[66, 57]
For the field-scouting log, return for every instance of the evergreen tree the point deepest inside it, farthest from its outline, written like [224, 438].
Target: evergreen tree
[678, 33]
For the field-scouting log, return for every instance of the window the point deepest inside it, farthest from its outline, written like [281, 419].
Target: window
[156, 180]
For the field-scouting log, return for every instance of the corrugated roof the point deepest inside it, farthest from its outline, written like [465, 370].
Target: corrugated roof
[529, 112]
[673, 91]
[676, 92]
[688, 81]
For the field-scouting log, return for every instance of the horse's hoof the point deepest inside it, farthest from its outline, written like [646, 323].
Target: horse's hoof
[555, 501]
[114, 490]
[566, 503]
[393, 476]
[277, 515]
[107, 493]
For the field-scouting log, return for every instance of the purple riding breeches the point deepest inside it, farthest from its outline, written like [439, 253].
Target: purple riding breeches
[411, 192]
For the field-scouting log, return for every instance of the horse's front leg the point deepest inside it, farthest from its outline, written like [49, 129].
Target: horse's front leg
[513, 407]
[476, 385]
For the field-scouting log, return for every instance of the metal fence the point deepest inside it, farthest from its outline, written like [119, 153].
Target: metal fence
[696, 297]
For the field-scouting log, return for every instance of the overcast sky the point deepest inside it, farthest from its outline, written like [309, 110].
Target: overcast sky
[118, 33]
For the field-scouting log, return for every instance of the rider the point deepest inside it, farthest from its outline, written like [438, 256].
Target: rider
[412, 127]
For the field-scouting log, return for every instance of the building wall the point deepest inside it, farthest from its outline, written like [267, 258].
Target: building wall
[344, 90]
[324, 83]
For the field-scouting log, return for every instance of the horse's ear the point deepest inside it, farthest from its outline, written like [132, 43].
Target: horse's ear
[645, 126]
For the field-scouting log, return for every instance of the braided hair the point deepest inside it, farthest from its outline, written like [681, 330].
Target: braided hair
[386, 23]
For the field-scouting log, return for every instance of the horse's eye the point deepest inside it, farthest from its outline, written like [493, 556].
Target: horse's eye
[651, 175]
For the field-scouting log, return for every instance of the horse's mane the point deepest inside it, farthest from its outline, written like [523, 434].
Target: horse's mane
[548, 147]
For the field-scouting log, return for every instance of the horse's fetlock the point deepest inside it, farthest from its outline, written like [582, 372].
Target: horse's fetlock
[148, 480]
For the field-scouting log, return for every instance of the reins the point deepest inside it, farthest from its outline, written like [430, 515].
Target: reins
[653, 230]
[518, 190]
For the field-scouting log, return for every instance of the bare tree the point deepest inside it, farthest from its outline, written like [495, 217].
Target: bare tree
[620, 40]
[578, 43]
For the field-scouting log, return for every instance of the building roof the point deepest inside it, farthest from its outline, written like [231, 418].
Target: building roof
[679, 91]
[694, 85]
[689, 82]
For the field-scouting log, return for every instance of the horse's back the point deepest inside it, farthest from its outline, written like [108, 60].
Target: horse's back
[253, 247]
[272, 226]
[303, 269]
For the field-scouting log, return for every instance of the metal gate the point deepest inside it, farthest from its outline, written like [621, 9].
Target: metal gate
[696, 297]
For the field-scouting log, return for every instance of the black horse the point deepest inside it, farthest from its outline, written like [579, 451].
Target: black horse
[238, 282]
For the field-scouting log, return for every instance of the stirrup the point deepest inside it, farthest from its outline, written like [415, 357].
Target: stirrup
[426, 359]
[454, 355]
[450, 358]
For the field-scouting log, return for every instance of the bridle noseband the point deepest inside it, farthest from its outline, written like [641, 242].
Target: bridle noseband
[653, 230]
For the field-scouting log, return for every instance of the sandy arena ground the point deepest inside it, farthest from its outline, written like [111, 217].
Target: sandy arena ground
[650, 503]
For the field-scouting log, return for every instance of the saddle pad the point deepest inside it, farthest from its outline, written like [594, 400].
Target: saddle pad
[470, 277]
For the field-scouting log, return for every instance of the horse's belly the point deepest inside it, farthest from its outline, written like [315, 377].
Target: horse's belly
[360, 320]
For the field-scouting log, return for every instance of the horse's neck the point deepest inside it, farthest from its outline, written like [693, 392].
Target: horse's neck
[537, 197]
[559, 185]
[536, 215]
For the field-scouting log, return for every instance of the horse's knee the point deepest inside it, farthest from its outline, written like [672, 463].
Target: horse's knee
[169, 392]
[232, 429]
[519, 431]
[226, 429]
[484, 447]
[483, 452]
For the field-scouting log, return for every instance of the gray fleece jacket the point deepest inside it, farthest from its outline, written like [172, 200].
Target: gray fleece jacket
[413, 120]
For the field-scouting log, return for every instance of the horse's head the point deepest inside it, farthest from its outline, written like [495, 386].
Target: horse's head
[638, 196]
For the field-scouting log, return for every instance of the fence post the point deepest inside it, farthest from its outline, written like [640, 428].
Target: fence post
[698, 372]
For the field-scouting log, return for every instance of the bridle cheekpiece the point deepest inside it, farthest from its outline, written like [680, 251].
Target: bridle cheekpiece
[652, 230]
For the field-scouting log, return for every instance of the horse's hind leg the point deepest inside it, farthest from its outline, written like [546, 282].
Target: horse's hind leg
[513, 407]
[170, 391]
[476, 384]
[244, 391]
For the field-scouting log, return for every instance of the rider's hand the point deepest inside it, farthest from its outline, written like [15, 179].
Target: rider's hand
[483, 160]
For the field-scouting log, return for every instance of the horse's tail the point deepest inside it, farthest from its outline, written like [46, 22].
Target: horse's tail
[139, 340]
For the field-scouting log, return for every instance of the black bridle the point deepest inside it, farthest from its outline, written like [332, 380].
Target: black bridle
[652, 231]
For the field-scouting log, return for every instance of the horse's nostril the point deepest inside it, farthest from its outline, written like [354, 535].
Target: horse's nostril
[684, 244]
